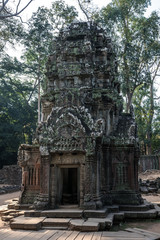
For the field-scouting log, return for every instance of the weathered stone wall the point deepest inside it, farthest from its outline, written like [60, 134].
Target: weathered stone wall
[149, 162]
[11, 175]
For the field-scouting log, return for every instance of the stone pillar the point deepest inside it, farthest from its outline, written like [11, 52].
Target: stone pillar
[90, 180]
[82, 184]
[43, 198]
[97, 166]
[45, 169]
[53, 187]
[136, 158]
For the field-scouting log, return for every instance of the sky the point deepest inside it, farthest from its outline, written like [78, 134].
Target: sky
[155, 5]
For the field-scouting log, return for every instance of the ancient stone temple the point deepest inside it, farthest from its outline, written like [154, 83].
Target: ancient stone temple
[86, 150]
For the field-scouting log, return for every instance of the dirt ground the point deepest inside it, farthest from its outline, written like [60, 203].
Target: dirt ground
[7, 198]
[150, 225]
[149, 174]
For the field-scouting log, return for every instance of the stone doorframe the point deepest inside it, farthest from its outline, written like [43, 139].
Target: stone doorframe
[67, 160]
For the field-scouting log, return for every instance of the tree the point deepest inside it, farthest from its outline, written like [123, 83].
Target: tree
[137, 42]
[147, 117]
[17, 110]
[10, 32]
[37, 41]
[88, 9]
[7, 12]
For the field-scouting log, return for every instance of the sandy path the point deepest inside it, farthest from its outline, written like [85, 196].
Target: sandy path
[6, 198]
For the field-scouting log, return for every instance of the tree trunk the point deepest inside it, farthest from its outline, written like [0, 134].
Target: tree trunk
[39, 98]
[128, 101]
[149, 130]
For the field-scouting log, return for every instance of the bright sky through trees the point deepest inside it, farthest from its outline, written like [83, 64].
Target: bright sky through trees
[100, 3]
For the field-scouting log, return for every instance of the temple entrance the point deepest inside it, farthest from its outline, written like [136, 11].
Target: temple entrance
[69, 186]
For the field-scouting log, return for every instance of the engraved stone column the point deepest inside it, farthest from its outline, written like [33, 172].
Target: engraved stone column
[82, 184]
[45, 174]
[89, 186]
[43, 198]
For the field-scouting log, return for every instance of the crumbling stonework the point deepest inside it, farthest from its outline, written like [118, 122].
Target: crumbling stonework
[11, 174]
[86, 149]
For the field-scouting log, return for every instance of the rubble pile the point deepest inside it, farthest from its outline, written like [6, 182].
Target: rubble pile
[149, 181]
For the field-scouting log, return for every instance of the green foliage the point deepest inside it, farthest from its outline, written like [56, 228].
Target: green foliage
[19, 79]
[10, 31]
[38, 39]
[147, 118]
[17, 114]
[137, 41]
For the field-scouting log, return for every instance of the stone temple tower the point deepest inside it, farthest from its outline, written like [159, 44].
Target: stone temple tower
[86, 149]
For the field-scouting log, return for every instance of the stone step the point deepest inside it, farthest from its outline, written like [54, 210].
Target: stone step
[6, 218]
[118, 217]
[150, 214]
[69, 206]
[143, 207]
[22, 206]
[102, 213]
[55, 228]
[101, 221]
[32, 213]
[157, 208]
[84, 226]
[5, 213]
[89, 226]
[113, 209]
[26, 223]
[109, 220]
[11, 206]
[3, 208]
[62, 213]
[104, 223]
[68, 213]
[56, 222]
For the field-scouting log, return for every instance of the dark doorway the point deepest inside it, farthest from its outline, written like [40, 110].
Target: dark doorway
[70, 186]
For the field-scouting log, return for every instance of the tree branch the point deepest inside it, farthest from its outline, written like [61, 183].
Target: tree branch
[18, 6]
[80, 5]
[3, 5]
[17, 12]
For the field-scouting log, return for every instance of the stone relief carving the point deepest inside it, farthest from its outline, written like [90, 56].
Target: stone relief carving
[73, 124]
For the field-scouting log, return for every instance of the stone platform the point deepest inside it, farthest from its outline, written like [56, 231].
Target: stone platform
[81, 220]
